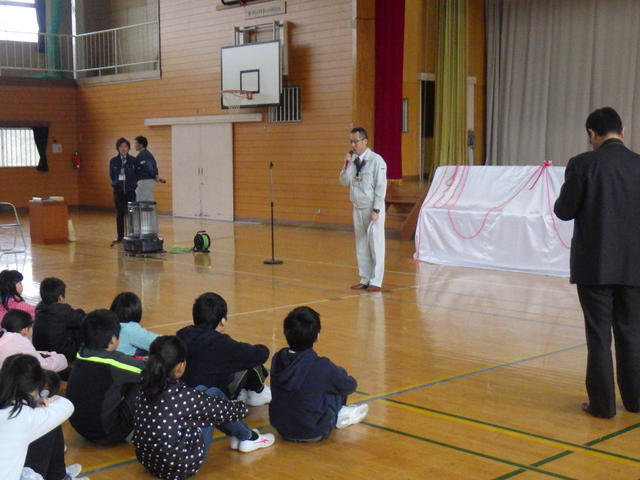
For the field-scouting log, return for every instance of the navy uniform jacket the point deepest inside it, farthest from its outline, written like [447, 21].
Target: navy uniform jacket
[601, 192]
[147, 167]
[130, 172]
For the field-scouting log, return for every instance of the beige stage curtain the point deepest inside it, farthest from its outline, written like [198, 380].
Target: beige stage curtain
[451, 84]
[549, 64]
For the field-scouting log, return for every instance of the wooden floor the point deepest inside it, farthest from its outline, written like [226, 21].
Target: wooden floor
[469, 374]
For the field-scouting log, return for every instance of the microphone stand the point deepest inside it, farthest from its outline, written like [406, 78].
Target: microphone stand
[272, 260]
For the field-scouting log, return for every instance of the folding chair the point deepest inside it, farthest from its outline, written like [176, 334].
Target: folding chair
[9, 219]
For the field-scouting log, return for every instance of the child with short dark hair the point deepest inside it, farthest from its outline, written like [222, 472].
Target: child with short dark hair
[11, 293]
[57, 325]
[15, 337]
[214, 359]
[134, 340]
[174, 422]
[103, 383]
[309, 392]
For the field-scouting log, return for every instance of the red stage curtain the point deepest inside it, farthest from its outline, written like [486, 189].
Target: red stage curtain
[388, 90]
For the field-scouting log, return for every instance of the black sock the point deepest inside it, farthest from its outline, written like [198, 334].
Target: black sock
[254, 435]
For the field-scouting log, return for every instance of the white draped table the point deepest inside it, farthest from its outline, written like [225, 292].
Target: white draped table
[497, 217]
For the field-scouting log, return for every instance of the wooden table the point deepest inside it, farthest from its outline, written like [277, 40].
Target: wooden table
[48, 222]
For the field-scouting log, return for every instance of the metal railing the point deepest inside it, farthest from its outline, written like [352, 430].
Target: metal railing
[127, 49]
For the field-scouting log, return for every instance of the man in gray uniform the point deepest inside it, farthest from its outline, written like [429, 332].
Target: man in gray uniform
[365, 173]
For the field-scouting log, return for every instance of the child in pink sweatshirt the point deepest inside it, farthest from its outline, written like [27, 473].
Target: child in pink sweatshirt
[11, 294]
[15, 337]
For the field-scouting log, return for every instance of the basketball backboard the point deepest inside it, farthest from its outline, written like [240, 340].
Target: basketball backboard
[253, 67]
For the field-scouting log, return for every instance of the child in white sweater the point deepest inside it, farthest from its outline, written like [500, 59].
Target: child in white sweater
[26, 415]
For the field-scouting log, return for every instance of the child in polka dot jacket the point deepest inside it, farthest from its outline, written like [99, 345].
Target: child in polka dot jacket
[173, 422]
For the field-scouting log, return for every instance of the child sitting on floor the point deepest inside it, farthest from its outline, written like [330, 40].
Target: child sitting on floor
[30, 432]
[11, 293]
[15, 337]
[57, 325]
[309, 392]
[134, 340]
[214, 359]
[104, 383]
[174, 422]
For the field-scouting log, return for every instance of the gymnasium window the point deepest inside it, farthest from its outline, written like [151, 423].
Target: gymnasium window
[18, 21]
[18, 148]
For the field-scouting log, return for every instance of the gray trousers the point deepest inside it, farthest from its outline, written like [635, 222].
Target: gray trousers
[144, 190]
[369, 246]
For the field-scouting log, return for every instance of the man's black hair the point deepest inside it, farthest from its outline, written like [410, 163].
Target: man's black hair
[120, 141]
[360, 131]
[604, 121]
[142, 141]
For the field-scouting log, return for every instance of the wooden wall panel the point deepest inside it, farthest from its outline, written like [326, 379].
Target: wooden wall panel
[56, 105]
[307, 155]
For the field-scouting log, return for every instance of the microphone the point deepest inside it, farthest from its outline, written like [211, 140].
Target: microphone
[346, 162]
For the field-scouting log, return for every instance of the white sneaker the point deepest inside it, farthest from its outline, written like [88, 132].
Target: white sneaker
[263, 441]
[234, 442]
[351, 414]
[255, 399]
[74, 470]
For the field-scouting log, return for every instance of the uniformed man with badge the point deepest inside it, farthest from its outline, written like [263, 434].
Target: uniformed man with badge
[124, 179]
[365, 173]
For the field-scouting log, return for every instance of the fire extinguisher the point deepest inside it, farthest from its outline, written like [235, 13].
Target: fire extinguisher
[77, 159]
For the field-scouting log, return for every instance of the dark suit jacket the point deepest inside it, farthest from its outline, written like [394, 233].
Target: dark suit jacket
[601, 192]
[130, 172]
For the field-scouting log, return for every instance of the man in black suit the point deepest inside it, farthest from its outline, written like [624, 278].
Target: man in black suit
[601, 193]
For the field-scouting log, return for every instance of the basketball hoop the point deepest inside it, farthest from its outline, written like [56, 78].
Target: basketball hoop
[234, 99]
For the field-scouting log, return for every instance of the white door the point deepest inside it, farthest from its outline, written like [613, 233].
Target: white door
[217, 171]
[202, 171]
[185, 176]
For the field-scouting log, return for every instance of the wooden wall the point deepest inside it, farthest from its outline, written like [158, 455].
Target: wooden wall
[45, 103]
[328, 59]
[307, 155]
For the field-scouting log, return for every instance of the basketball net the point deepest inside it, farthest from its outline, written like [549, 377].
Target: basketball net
[234, 99]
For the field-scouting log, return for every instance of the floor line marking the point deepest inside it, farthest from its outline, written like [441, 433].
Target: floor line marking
[470, 373]
[574, 447]
[490, 314]
[553, 458]
[280, 307]
[357, 295]
[217, 437]
[468, 451]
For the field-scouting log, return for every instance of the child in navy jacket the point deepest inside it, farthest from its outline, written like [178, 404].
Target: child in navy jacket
[214, 359]
[309, 392]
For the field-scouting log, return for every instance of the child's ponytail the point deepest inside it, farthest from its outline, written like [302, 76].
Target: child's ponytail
[165, 353]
